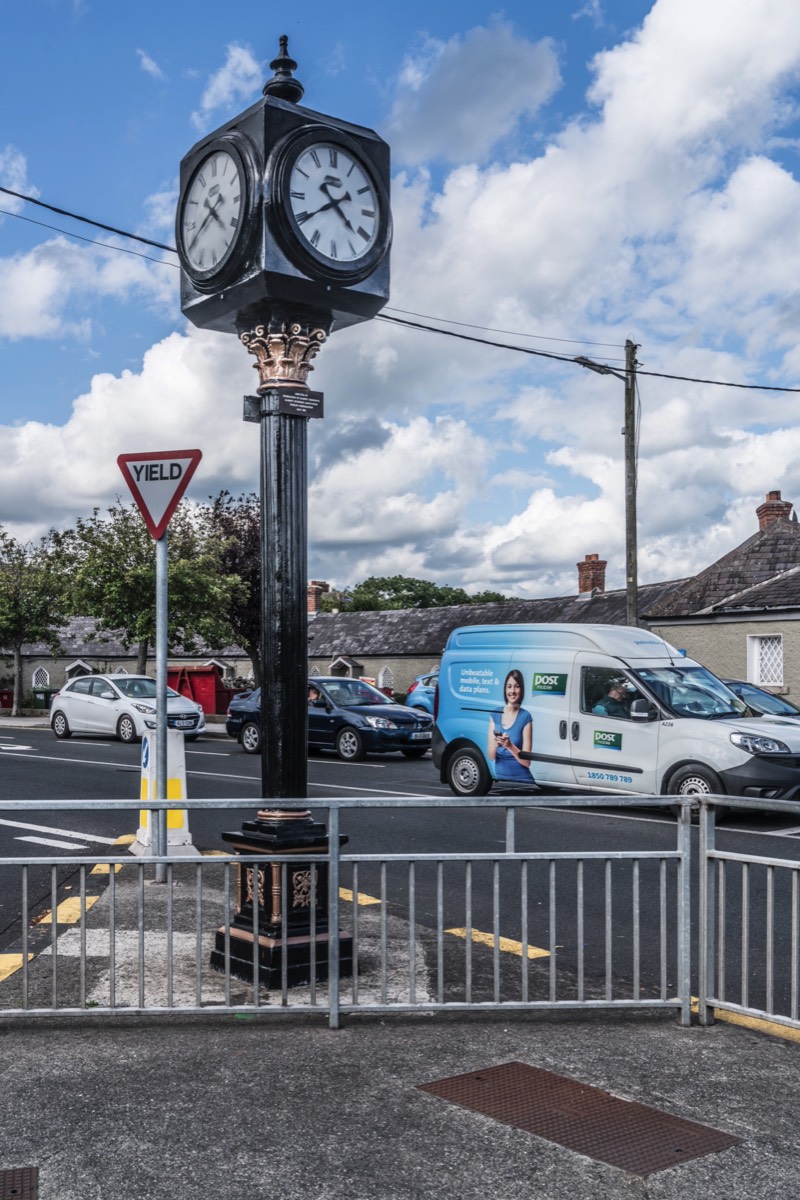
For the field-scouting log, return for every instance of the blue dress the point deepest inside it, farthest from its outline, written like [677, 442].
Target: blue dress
[506, 765]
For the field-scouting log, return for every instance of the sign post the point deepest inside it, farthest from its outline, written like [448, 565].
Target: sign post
[158, 480]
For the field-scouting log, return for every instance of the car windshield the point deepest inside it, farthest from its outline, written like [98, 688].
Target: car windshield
[691, 692]
[765, 702]
[140, 689]
[347, 692]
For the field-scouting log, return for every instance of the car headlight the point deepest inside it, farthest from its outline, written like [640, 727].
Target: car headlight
[758, 744]
[380, 723]
[144, 708]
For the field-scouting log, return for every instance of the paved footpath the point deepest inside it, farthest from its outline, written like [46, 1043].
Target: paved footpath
[279, 1106]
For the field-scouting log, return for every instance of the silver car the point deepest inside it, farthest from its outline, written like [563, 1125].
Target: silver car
[122, 706]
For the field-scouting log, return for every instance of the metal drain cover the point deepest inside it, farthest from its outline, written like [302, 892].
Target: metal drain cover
[20, 1183]
[622, 1133]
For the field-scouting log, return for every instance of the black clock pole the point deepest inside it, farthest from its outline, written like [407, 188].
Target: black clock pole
[284, 345]
[283, 231]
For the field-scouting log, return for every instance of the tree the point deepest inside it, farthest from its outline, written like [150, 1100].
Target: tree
[33, 599]
[113, 579]
[236, 524]
[398, 591]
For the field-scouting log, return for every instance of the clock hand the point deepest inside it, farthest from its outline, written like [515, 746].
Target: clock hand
[323, 187]
[212, 212]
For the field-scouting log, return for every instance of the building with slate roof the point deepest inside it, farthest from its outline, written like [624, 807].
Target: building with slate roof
[738, 616]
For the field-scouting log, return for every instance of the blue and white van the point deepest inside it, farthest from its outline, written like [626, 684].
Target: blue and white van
[670, 727]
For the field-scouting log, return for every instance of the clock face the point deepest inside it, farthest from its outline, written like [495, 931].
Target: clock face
[334, 205]
[211, 214]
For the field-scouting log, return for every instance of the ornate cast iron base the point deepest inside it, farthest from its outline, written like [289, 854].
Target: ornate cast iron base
[266, 890]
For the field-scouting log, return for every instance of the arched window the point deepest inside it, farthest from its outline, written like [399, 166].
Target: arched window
[121, 671]
[41, 677]
[313, 672]
[386, 678]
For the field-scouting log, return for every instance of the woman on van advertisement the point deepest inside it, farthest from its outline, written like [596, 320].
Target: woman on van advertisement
[511, 731]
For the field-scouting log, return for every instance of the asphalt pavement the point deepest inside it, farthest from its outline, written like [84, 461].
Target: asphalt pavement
[281, 1106]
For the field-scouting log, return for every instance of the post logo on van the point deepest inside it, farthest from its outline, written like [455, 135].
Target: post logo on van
[548, 683]
[603, 740]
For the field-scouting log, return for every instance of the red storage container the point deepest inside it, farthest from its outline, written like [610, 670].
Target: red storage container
[202, 684]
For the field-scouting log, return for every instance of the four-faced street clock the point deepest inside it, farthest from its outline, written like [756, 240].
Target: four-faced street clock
[284, 205]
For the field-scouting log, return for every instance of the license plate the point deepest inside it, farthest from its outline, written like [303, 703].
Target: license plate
[184, 724]
[421, 737]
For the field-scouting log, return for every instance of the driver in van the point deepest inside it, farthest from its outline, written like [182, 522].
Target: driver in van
[613, 703]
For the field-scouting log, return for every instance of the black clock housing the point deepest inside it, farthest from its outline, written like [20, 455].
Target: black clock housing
[268, 264]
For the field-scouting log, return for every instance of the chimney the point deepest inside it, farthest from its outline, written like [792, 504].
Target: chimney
[314, 595]
[773, 509]
[591, 574]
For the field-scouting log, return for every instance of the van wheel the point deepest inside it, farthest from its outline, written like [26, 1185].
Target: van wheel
[468, 774]
[696, 780]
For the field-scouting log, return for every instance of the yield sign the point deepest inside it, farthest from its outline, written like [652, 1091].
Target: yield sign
[158, 481]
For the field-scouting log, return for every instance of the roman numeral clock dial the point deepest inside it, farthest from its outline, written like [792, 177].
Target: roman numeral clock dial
[334, 215]
[211, 214]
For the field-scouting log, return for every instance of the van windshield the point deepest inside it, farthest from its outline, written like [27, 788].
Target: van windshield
[691, 692]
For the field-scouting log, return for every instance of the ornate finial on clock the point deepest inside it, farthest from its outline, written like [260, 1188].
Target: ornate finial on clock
[283, 84]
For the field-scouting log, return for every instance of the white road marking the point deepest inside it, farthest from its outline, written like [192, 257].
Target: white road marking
[88, 837]
[52, 842]
[13, 747]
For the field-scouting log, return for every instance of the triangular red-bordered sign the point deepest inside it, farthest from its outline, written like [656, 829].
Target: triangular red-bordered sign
[158, 480]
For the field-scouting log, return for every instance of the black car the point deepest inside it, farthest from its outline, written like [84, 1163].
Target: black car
[763, 704]
[346, 715]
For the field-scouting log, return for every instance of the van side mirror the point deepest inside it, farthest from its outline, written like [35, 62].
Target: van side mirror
[643, 710]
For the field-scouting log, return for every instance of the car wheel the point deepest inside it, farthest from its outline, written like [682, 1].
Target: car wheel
[60, 725]
[250, 738]
[468, 774]
[126, 728]
[696, 780]
[349, 744]
[415, 752]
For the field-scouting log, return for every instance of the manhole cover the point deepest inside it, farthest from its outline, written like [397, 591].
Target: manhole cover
[20, 1183]
[632, 1136]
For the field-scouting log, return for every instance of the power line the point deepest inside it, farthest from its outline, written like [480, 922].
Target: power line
[91, 241]
[566, 358]
[63, 212]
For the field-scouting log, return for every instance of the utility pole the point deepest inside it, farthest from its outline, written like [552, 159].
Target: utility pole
[630, 432]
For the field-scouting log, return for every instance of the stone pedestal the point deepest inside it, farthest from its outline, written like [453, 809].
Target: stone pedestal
[261, 890]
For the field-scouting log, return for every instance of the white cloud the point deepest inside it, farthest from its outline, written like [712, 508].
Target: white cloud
[14, 175]
[149, 65]
[233, 84]
[456, 99]
[662, 215]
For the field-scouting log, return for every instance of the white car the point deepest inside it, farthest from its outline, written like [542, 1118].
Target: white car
[123, 706]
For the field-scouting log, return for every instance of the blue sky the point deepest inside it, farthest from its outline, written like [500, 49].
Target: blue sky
[570, 174]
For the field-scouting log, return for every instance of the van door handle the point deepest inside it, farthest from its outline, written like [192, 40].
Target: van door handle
[562, 730]
[576, 731]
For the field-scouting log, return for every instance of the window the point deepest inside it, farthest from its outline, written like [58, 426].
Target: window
[765, 659]
[120, 671]
[41, 677]
[386, 678]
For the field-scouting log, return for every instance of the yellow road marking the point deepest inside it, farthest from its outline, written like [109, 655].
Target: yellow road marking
[507, 944]
[105, 869]
[68, 911]
[126, 839]
[759, 1024]
[362, 898]
[9, 963]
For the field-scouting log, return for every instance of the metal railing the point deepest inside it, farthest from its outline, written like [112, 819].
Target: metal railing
[513, 928]
[749, 926]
